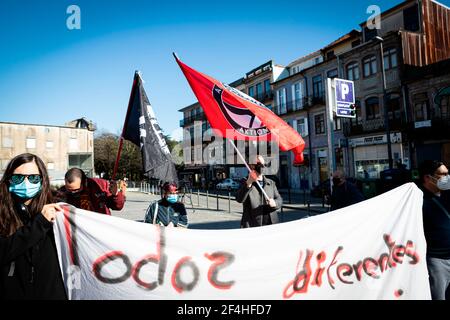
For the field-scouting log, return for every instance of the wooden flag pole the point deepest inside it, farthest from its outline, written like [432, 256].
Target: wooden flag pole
[248, 168]
[130, 102]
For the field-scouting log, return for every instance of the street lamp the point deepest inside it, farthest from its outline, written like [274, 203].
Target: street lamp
[386, 116]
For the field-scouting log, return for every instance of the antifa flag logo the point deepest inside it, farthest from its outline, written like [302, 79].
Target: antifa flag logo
[242, 120]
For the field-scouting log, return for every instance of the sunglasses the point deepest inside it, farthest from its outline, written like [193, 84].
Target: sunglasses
[18, 178]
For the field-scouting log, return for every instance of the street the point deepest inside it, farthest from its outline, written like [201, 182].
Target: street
[203, 213]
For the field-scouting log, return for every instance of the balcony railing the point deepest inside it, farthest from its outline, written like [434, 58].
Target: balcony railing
[291, 106]
[263, 97]
[353, 127]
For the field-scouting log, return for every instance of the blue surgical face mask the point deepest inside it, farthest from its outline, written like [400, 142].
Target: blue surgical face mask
[172, 198]
[25, 189]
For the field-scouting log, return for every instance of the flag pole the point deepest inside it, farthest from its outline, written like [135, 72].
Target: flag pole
[248, 168]
[119, 151]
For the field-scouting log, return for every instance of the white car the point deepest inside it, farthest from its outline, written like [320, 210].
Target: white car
[228, 184]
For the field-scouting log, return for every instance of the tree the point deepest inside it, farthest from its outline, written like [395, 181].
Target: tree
[130, 164]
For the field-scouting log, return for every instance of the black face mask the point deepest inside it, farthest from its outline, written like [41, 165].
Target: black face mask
[336, 181]
[259, 167]
[74, 194]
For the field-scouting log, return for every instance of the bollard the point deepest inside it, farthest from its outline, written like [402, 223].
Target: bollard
[289, 195]
[309, 207]
[207, 199]
[217, 197]
[229, 201]
[198, 197]
[304, 197]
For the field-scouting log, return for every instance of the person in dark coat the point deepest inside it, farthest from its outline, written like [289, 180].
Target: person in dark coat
[257, 210]
[344, 193]
[29, 267]
[435, 185]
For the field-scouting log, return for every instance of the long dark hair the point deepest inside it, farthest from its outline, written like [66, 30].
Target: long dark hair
[9, 221]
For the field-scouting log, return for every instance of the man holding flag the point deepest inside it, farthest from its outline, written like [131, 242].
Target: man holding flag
[257, 211]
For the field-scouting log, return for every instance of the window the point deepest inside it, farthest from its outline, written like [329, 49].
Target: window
[332, 73]
[73, 144]
[7, 142]
[267, 88]
[372, 108]
[259, 91]
[353, 71]
[445, 107]
[82, 161]
[330, 55]
[317, 86]
[394, 106]
[251, 91]
[49, 144]
[369, 34]
[31, 143]
[302, 126]
[281, 101]
[297, 95]
[411, 18]
[370, 66]
[390, 58]
[421, 107]
[269, 106]
[317, 60]
[319, 123]
[337, 124]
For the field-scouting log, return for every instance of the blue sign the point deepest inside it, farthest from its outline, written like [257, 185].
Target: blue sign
[345, 97]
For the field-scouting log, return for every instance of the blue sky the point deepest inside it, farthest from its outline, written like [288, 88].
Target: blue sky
[51, 75]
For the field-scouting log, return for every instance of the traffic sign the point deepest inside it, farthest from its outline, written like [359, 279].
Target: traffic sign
[345, 98]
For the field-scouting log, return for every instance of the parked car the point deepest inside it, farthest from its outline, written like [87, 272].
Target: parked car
[228, 184]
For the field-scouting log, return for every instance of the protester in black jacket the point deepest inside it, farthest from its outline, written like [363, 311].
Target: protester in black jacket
[435, 184]
[29, 267]
[344, 193]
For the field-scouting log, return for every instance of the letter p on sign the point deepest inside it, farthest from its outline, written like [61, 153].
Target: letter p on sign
[345, 90]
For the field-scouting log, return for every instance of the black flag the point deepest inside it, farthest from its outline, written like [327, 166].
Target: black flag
[142, 129]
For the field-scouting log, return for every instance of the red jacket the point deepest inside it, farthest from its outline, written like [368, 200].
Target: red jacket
[94, 197]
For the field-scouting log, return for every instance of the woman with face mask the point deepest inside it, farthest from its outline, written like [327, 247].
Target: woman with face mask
[29, 267]
[167, 211]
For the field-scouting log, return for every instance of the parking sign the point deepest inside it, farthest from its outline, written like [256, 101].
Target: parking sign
[345, 97]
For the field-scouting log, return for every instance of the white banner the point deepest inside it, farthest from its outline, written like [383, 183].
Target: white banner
[372, 250]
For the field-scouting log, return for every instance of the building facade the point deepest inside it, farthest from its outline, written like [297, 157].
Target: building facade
[60, 147]
[401, 74]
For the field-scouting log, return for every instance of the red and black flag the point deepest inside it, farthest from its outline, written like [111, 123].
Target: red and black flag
[142, 129]
[230, 110]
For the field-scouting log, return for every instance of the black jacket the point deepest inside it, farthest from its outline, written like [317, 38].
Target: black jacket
[256, 211]
[345, 195]
[29, 267]
[436, 223]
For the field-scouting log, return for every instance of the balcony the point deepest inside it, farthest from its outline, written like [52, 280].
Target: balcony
[263, 97]
[190, 120]
[353, 127]
[317, 98]
[291, 106]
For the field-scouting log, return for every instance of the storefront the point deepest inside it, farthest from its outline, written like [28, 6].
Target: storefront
[370, 154]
